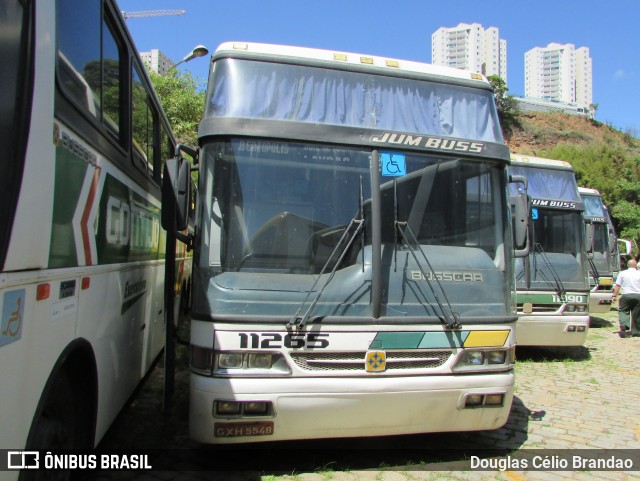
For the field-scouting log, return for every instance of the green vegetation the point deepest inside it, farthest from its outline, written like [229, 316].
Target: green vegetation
[506, 104]
[182, 99]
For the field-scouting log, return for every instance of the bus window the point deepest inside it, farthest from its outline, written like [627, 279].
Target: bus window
[15, 106]
[79, 51]
[111, 79]
[166, 147]
[89, 72]
[143, 121]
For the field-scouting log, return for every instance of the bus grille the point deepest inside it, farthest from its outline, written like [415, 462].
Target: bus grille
[354, 361]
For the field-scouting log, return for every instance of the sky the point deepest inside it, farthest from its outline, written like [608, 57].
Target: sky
[402, 29]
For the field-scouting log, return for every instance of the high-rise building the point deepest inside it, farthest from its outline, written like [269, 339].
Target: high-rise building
[584, 77]
[560, 73]
[156, 61]
[470, 47]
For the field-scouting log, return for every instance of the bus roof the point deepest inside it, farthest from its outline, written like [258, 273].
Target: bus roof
[528, 160]
[588, 191]
[362, 61]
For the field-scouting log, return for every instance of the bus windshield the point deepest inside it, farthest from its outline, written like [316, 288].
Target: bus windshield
[600, 239]
[595, 212]
[601, 250]
[350, 99]
[274, 213]
[593, 206]
[557, 250]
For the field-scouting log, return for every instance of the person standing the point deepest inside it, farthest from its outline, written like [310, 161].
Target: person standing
[628, 282]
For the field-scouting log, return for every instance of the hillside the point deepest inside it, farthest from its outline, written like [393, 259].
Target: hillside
[539, 132]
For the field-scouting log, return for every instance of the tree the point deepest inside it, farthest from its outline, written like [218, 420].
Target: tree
[506, 104]
[183, 103]
[626, 210]
[612, 171]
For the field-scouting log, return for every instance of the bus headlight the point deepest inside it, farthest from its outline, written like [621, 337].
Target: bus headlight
[230, 360]
[496, 357]
[575, 308]
[233, 363]
[475, 360]
[260, 361]
[237, 363]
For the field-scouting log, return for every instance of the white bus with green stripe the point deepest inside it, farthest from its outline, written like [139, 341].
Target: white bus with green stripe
[353, 255]
[552, 285]
[82, 251]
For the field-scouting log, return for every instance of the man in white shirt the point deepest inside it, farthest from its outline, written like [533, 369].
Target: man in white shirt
[628, 282]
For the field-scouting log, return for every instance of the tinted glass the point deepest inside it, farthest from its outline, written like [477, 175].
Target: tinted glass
[79, 54]
[143, 120]
[111, 85]
[278, 217]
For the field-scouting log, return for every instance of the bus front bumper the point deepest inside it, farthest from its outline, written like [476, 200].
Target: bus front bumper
[599, 302]
[312, 408]
[557, 330]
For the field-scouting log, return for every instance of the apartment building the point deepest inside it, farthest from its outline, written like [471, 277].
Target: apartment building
[559, 73]
[584, 77]
[156, 61]
[470, 47]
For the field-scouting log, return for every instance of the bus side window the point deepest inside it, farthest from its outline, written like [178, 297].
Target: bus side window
[166, 146]
[111, 80]
[79, 53]
[89, 63]
[144, 122]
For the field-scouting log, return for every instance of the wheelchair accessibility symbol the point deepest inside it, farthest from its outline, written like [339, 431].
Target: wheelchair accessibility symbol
[393, 164]
[534, 214]
[12, 316]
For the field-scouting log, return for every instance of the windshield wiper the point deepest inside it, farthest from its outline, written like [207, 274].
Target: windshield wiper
[559, 286]
[452, 320]
[594, 270]
[300, 321]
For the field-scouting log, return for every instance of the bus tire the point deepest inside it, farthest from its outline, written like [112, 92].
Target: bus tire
[65, 421]
[56, 426]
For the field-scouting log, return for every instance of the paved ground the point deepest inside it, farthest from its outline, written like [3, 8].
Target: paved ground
[576, 401]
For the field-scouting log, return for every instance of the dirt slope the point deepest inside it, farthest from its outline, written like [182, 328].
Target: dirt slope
[536, 132]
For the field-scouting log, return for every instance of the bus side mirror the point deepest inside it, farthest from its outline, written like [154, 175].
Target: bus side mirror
[613, 244]
[521, 213]
[590, 239]
[625, 247]
[176, 194]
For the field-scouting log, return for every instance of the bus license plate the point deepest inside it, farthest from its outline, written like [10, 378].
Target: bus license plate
[232, 430]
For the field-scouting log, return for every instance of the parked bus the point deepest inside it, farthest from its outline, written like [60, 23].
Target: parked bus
[353, 259]
[552, 287]
[604, 257]
[81, 246]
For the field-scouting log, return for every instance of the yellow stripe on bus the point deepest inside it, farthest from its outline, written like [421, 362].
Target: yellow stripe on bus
[486, 338]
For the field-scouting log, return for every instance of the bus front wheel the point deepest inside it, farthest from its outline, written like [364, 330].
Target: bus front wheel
[61, 424]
